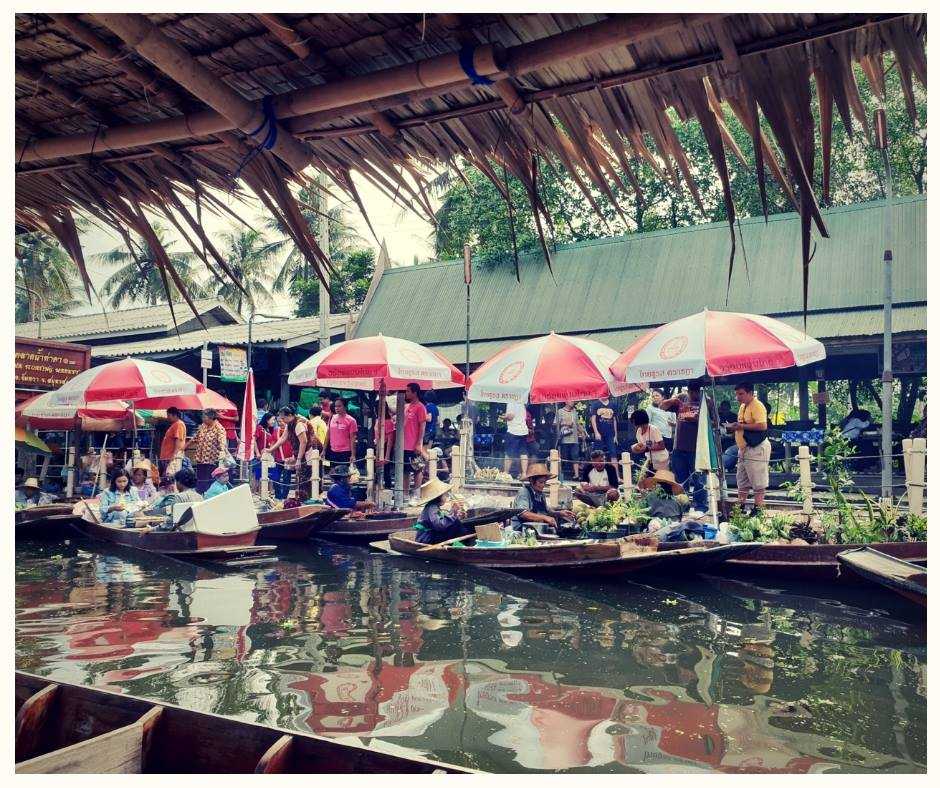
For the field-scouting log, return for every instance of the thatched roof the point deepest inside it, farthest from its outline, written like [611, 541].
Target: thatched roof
[110, 122]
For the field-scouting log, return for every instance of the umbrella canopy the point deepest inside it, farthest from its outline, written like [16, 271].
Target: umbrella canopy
[249, 418]
[369, 363]
[715, 344]
[552, 368]
[227, 409]
[30, 442]
[145, 383]
[40, 412]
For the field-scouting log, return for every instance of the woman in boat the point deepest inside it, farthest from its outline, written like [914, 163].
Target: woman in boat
[433, 525]
[29, 494]
[220, 483]
[116, 500]
[142, 481]
[340, 494]
[531, 499]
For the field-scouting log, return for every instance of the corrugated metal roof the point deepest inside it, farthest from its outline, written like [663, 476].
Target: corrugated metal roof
[123, 321]
[824, 326]
[261, 333]
[624, 284]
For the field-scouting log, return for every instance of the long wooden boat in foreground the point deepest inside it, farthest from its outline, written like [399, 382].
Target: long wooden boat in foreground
[67, 729]
[811, 563]
[576, 557]
[297, 523]
[903, 577]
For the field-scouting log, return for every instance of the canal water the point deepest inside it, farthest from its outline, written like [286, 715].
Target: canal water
[488, 671]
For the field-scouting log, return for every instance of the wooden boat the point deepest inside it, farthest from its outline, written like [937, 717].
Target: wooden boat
[297, 523]
[811, 563]
[571, 557]
[903, 577]
[223, 531]
[368, 528]
[49, 521]
[68, 729]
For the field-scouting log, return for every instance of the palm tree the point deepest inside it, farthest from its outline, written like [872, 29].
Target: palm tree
[139, 278]
[46, 269]
[249, 254]
[343, 239]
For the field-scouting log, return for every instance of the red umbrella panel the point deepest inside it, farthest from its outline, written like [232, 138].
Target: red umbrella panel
[148, 384]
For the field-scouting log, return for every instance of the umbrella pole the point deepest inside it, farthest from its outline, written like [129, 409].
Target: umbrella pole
[104, 448]
[716, 431]
[380, 449]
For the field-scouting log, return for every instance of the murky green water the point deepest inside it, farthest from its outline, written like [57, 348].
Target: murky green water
[484, 670]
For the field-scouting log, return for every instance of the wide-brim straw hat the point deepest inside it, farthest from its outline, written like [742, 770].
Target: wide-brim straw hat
[431, 489]
[538, 469]
[31, 482]
[220, 471]
[143, 465]
[663, 477]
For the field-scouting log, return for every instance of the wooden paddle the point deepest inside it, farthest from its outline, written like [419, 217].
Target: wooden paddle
[448, 542]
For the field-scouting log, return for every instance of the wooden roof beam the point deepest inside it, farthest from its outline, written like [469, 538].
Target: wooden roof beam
[440, 73]
[173, 60]
[289, 38]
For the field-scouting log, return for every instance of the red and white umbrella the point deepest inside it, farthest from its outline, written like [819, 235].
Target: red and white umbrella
[373, 363]
[249, 419]
[553, 368]
[144, 383]
[715, 344]
[41, 413]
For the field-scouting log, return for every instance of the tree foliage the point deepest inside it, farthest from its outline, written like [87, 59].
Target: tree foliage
[478, 215]
[249, 255]
[138, 278]
[44, 267]
[347, 289]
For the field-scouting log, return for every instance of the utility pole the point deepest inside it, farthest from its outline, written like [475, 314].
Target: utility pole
[323, 238]
[887, 376]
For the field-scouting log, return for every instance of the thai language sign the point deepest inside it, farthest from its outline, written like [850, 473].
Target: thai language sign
[47, 365]
[233, 364]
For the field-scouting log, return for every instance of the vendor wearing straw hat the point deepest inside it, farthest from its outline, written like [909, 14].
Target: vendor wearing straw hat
[29, 494]
[433, 525]
[664, 479]
[340, 494]
[531, 499]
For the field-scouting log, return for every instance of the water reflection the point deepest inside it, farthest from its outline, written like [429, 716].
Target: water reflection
[489, 671]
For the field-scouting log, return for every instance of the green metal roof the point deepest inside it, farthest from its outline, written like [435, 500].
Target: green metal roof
[619, 286]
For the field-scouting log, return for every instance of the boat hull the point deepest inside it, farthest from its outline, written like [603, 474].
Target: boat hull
[297, 524]
[811, 563]
[66, 728]
[346, 528]
[893, 574]
[182, 543]
[587, 559]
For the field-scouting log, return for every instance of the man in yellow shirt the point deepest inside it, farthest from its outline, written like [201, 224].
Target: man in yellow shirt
[750, 434]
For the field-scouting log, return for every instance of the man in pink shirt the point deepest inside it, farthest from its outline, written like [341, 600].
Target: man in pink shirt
[416, 419]
[341, 437]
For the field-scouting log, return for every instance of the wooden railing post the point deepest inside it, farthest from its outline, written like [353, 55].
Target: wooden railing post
[626, 472]
[554, 484]
[432, 464]
[806, 479]
[265, 471]
[70, 472]
[458, 469]
[370, 474]
[315, 473]
[914, 471]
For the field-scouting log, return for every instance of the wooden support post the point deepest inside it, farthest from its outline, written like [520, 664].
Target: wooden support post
[916, 481]
[458, 468]
[554, 485]
[370, 473]
[803, 387]
[432, 465]
[466, 449]
[44, 469]
[806, 479]
[70, 472]
[626, 473]
[265, 471]
[315, 473]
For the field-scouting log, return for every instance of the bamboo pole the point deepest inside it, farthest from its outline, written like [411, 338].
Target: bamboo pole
[916, 483]
[554, 485]
[177, 63]
[440, 74]
[370, 474]
[315, 467]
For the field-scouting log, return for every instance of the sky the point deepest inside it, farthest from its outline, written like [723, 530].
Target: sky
[405, 235]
